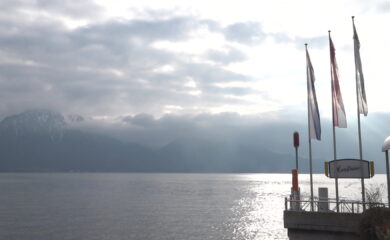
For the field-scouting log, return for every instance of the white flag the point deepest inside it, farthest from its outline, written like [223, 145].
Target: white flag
[362, 100]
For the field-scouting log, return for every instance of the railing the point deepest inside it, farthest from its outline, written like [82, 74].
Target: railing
[344, 206]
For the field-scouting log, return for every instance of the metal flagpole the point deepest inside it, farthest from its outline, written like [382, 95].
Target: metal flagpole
[308, 124]
[385, 148]
[334, 131]
[388, 178]
[359, 129]
[311, 172]
[361, 158]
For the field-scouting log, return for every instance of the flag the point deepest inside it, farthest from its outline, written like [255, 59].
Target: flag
[314, 115]
[339, 118]
[362, 101]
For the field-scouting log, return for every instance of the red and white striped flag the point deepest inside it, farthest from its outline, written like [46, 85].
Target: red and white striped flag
[339, 118]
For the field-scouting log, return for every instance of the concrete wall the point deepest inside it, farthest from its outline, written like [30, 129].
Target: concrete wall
[294, 234]
[321, 225]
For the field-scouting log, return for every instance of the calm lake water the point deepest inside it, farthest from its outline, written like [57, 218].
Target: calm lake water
[151, 206]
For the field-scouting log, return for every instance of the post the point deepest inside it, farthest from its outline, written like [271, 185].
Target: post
[336, 179]
[334, 131]
[388, 178]
[361, 158]
[359, 130]
[310, 155]
[295, 193]
[337, 193]
[311, 178]
[285, 203]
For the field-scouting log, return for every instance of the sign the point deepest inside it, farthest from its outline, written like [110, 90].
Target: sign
[349, 168]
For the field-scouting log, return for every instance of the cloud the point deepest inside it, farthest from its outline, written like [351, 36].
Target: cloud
[175, 28]
[298, 41]
[78, 9]
[251, 33]
[226, 56]
[245, 32]
[383, 7]
[81, 9]
[206, 73]
[142, 120]
[111, 66]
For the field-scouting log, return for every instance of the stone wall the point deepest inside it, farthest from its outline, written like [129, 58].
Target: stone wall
[321, 225]
[372, 224]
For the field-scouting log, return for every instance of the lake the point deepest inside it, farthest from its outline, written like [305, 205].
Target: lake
[102, 206]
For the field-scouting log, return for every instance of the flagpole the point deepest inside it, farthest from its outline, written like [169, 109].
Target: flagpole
[308, 124]
[359, 129]
[334, 132]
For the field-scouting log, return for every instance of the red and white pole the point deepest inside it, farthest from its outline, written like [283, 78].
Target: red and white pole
[295, 191]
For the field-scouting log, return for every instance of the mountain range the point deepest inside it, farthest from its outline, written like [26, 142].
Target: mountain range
[47, 141]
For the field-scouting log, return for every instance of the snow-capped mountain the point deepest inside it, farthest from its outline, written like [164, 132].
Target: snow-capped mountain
[39, 122]
[44, 140]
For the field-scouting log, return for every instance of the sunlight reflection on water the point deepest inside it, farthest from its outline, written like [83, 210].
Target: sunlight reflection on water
[261, 208]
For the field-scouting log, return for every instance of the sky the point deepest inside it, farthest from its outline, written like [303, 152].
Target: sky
[203, 62]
